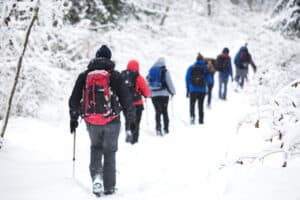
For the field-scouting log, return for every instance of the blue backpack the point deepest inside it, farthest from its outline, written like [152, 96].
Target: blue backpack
[156, 78]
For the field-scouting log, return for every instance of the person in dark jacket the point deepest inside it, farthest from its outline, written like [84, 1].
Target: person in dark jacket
[104, 138]
[160, 97]
[242, 60]
[224, 72]
[141, 89]
[197, 92]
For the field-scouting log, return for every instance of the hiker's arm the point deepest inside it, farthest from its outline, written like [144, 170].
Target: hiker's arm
[253, 65]
[76, 96]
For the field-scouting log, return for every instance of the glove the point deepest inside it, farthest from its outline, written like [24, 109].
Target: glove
[231, 79]
[187, 94]
[73, 126]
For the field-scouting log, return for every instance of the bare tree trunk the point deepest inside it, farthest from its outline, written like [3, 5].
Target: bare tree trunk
[164, 17]
[34, 18]
[209, 7]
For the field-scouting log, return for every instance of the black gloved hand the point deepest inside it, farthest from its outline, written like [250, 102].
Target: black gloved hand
[73, 126]
[187, 94]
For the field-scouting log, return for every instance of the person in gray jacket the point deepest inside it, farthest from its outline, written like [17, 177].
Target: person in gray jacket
[161, 86]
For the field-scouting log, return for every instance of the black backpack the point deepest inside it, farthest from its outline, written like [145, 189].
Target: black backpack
[221, 63]
[198, 76]
[129, 78]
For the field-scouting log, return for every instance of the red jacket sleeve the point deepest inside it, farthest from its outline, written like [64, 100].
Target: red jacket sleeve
[142, 87]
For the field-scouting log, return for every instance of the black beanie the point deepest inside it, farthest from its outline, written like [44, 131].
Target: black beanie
[104, 51]
[225, 50]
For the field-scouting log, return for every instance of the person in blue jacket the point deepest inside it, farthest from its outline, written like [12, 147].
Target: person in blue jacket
[197, 78]
[225, 70]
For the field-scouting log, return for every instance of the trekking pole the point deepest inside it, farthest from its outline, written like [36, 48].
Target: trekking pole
[74, 145]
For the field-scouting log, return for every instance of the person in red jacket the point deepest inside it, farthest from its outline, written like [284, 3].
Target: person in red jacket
[138, 88]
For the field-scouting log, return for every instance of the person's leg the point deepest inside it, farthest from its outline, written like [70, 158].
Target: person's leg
[157, 106]
[225, 88]
[165, 102]
[193, 97]
[201, 98]
[96, 152]
[110, 147]
[139, 111]
[220, 87]
[209, 94]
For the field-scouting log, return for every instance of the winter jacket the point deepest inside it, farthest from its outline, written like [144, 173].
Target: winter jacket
[169, 86]
[208, 78]
[141, 86]
[228, 71]
[116, 85]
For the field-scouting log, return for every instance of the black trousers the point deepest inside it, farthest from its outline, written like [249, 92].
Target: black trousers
[161, 109]
[197, 96]
[210, 87]
[135, 133]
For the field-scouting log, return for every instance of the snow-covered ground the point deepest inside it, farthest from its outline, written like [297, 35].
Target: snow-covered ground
[192, 162]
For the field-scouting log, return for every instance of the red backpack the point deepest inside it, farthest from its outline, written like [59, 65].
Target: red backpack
[97, 100]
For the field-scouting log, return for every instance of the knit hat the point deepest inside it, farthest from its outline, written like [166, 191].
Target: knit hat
[199, 57]
[133, 65]
[160, 62]
[225, 50]
[104, 51]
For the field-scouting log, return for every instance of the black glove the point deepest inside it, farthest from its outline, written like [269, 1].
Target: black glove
[187, 94]
[73, 126]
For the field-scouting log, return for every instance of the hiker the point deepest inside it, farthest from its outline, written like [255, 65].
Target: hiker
[242, 60]
[225, 70]
[161, 86]
[101, 90]
[197, 78]
[138, 88]
[210, 62]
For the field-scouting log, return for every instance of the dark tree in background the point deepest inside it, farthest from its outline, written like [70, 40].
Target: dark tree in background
[97, 11]
[287, 17]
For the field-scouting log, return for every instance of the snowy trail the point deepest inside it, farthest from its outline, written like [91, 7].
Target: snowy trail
[181, 161]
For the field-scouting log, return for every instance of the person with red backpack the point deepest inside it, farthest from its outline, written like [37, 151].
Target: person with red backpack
[197, 79]
[97, 95]
[242, 60]
[225, 70]
[138, 88]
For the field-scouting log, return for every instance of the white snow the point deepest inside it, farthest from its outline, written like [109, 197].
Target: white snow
[192, 162]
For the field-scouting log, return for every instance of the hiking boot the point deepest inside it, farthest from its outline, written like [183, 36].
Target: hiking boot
[159, 133]
[110, 191]
[97, 186]
[192, 120]
[166, 130]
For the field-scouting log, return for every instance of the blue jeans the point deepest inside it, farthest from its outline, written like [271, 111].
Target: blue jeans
[223, 87]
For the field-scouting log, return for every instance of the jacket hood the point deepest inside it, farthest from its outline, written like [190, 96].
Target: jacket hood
[160, 62]
[101, 63]
[133, 65]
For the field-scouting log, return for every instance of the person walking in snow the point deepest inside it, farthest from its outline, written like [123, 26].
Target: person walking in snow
[225, 70]
[96, 96]
[211, 69]
[242, 60]
[161, 86]
[138, 88]
[197, 78]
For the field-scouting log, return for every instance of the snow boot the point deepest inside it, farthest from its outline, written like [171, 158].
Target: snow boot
[97, 186]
